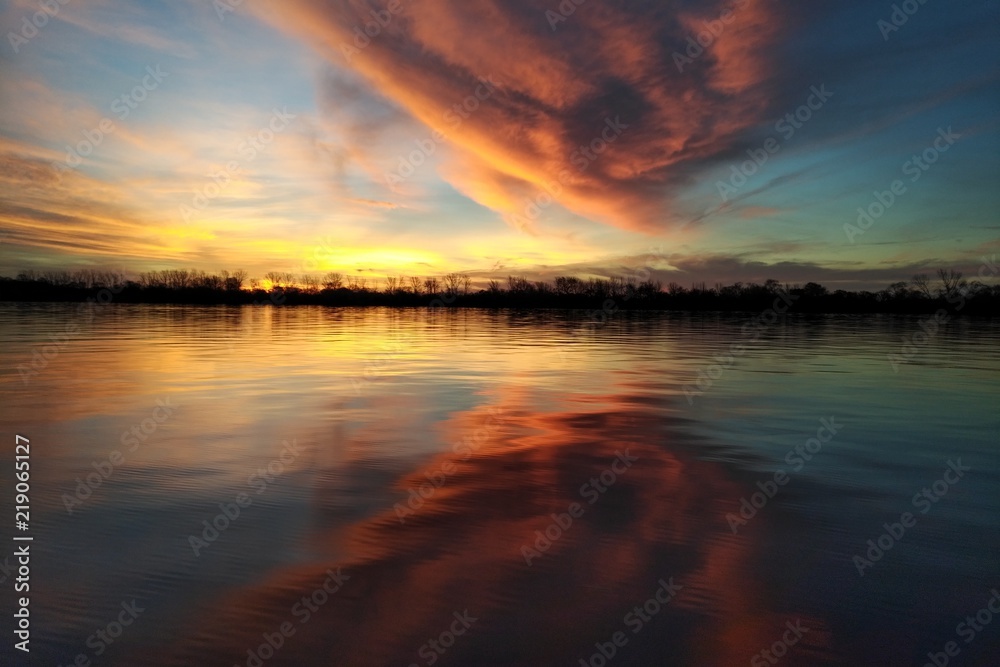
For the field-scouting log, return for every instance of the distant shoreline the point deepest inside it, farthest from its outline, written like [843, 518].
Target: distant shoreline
[812, 299]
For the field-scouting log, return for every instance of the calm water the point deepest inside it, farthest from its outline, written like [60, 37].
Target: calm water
[325, 423]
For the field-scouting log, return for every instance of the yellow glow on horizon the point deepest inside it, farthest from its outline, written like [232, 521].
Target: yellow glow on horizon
[391, 259]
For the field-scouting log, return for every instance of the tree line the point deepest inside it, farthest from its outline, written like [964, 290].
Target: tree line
[917, 295]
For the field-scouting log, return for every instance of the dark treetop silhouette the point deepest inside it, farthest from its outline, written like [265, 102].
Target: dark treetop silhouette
[918, 296]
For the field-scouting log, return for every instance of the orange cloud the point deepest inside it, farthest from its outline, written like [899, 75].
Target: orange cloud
[593, 109]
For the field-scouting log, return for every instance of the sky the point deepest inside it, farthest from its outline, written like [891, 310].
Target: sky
[848, 142]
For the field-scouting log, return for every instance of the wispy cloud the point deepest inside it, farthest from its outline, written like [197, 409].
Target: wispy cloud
[555, 96]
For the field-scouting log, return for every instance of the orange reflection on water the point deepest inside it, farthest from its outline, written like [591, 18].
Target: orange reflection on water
[463, 549]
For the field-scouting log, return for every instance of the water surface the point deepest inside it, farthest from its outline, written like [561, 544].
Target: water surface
[416, 457]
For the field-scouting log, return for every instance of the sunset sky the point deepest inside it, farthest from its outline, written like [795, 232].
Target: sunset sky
[277, 135]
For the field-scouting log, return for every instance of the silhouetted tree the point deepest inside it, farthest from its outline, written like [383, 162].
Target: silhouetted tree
[951, 282]
[333, 281]
[814, 290]
[452, 281]
[195, 286]
[922, 284]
